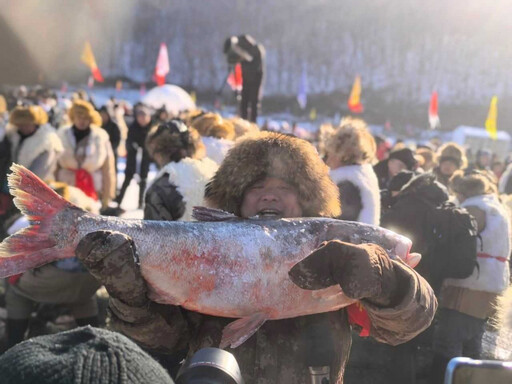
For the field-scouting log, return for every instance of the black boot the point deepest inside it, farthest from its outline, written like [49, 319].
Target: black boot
[15, 330]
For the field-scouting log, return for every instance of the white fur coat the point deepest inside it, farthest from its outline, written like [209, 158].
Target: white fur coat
[364, 178]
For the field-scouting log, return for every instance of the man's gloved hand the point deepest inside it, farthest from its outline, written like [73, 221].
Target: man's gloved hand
[363, 272]
[111, 258]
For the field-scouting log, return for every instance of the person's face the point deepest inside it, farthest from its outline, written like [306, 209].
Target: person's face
[395, 166]
[447, 167]
[104, 117]
[26, 129]
[82, 122]
[271, 197]
[484, 160]
[143, 118]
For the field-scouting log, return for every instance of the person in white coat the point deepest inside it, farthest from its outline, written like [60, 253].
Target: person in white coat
[349, 152]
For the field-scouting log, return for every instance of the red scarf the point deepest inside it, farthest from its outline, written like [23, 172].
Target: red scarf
[84, 181]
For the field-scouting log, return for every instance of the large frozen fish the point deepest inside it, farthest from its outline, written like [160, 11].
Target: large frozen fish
[224, 266]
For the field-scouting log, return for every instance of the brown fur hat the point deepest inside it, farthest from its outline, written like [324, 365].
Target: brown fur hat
[32, 114]
[351, 142]
[452, 152]
[272, 154]
[473, 183]
[428, 157]
[84, 108]
[165, 142]
[243, 127]
[212, 124]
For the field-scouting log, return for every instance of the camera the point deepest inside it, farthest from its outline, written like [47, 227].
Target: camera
[210, 366]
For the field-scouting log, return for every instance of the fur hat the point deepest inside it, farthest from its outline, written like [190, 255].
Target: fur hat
[212, 124]
[32, 114]
[351, 142]
[243, 127]
[173, 141]
[84, 109]
[473, 183]
[272, 154]
[428, 156]
[452, 152]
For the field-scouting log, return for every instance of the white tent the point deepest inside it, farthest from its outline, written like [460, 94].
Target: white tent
[478, 138]
[174, 98]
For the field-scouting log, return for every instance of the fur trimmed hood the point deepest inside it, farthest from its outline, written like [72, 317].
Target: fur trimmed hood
[271, 154]
[474, 184]
[426, 186]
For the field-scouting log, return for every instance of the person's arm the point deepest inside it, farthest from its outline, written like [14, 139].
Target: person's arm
[110, 258]
[116, 135]
[108, 174]
[163, 201]
[399, 302]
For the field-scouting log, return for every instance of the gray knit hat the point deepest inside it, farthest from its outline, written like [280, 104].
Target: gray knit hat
[81, 356]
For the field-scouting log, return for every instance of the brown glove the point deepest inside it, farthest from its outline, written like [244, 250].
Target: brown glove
[363, 272]
[111, 258]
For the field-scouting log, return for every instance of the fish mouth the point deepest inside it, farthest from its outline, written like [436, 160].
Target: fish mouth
[270, 213]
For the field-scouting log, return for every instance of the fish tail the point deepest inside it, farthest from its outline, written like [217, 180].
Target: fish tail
[35, 245]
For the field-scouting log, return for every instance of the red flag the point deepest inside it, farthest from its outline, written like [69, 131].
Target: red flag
[162, 67]
[354, 101]
[235, 78]
[433, 115]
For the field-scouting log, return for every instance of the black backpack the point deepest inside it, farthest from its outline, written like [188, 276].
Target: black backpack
[451, 241]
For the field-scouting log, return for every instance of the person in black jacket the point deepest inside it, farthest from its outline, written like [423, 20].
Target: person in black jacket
[398, 160]
[137, 133]
[251, 55]
[112, 129]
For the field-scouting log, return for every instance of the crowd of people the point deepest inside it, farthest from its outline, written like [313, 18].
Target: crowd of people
[455, 211]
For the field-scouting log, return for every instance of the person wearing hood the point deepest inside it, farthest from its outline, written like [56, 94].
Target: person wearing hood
[274, 176]
[398, 160]
[483, 160]
[350, 151]
[217, 133]
[87, 161]
[451, 157]
[466, 304]
[137, 133]
[183, 173]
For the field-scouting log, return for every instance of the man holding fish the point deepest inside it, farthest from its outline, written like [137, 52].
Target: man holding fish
[270, 177]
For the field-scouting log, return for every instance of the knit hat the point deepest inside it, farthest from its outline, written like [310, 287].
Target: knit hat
[81, 356]
[269, 154]
[406, 156]
[32, 114]
[84, 108]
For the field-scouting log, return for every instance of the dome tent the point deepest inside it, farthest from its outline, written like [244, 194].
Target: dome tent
[174, 98]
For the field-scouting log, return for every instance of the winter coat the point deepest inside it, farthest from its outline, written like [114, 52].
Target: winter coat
[359, 193]
[382, 173]
[93, 154]
[493, 273]
[443, 179]
[114, 134]
[505, 183]
[280, 351]
[177, 188]
[409, 216]
[216, 149]
[39, 152]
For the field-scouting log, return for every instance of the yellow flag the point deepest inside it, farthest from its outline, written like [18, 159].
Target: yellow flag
[354, 100]
[312, 114]
[491, 125]
[88, 57]
[193, 96]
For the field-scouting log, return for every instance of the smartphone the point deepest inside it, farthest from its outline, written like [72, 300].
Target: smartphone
[462, 370]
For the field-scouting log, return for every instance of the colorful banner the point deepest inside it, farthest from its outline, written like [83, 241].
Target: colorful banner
[354, 101]
[491, 124]
[89, 60]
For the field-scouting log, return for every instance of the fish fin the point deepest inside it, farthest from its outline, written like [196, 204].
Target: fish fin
[211, 214]
[235, 333]
[33, 246]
